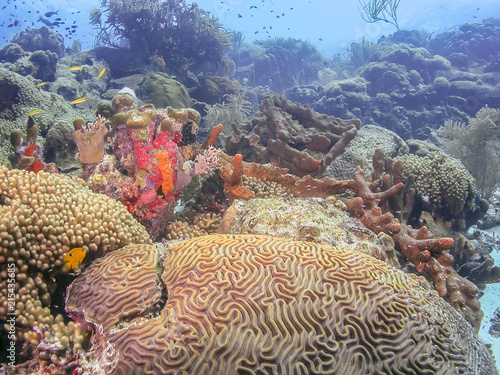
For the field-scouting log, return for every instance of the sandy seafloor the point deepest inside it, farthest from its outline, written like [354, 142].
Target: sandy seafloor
[490, 301]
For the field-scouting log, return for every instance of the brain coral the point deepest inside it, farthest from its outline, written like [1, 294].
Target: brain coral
[245, 304]
[304, 219]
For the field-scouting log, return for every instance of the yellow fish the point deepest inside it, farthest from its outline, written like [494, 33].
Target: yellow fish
[74, 257]
[33, 113]
[75, 68]
[101, 73]
[16, 69]
[41, 84]
[81, 100]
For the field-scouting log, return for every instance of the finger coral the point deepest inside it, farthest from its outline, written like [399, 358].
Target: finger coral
[42, 217]
[224, 304]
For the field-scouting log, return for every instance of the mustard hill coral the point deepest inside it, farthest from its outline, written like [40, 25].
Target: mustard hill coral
[253, 304]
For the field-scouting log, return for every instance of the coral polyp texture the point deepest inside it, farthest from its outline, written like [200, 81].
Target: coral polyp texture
[234, 304]
[42, 217]
[448, 185]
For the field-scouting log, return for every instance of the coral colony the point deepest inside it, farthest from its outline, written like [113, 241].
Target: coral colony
[179, 200]
[148, 167]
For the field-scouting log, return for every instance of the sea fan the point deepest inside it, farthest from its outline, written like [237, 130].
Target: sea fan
[236, 109]
[477, 146]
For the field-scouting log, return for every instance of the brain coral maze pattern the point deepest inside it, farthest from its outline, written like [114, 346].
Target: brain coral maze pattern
[244, 304]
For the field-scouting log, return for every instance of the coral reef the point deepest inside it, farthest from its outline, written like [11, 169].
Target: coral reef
[307, 219]
[60, 147]
[213, 89]
[11, 52]
[379, 205]
[472, 41]
[233, 170]
[283, 63]
[472, 257]
[27, 151]
[163, 91]
[19, 96]
[346, 98]
[292, 136]
[198, 225]
[412, 87]
[234, 112]
[431, 256]
[152, 159]
[44, 63]
[42, 217]
[477, 146]
[359, 152]
[444, 183]
[265, 299]
[183, 36]
[42, 39]
[368, 207]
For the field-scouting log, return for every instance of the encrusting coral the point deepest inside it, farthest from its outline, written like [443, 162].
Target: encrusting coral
[42, 217]
[323, 221]
[248, 304]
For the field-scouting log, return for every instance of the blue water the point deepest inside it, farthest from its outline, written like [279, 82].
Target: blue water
[330, 25]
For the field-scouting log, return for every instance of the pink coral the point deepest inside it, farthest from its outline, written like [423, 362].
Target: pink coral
[206, 162]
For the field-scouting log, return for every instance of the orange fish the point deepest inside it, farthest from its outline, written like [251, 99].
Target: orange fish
[74, 257]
